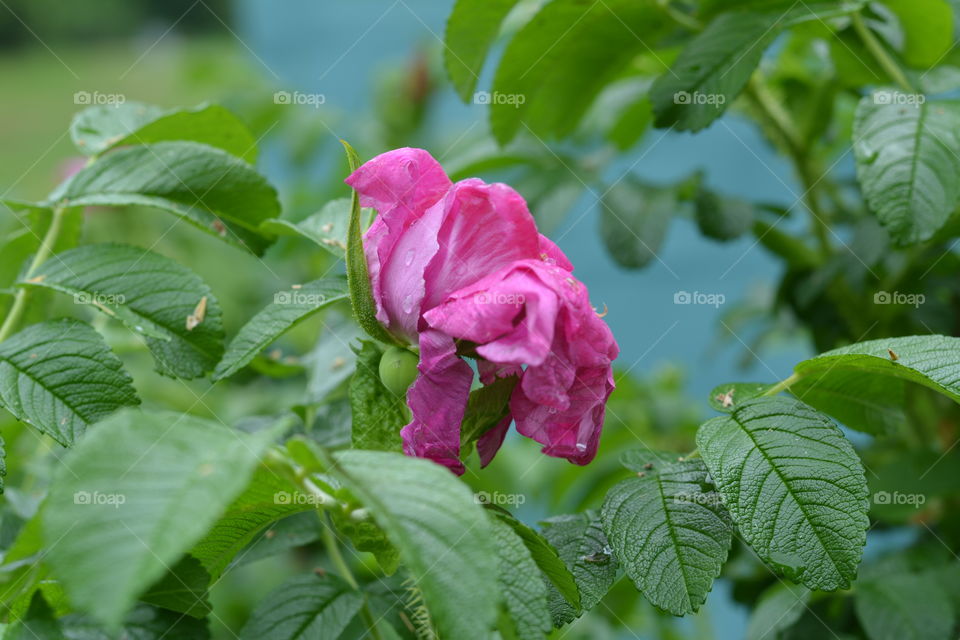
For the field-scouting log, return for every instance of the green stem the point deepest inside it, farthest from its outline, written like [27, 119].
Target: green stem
[23, 293]
[880, 54]
[333, 550]
[680, 17]
[783, 385]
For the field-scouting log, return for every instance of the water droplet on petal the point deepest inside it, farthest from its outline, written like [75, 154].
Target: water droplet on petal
[407, 304]
[408, 259]
[581, 446]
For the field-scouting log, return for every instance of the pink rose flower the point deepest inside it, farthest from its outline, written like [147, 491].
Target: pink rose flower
[460, 269]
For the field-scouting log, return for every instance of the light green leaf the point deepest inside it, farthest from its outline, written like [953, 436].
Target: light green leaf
[555, 66]
[288, 309]
[716, 64]
[60, 377]
[670, 532]
[726, 397]
[524, 591]
[378, 414]
[907, 162]
[472, 27]
[927, 30]
[358, 276]
[431, 517]
[794, 486]
[209, 188]
[634, 219]
[778, 609]
[307, 607]
[327, 227]
[904, 607]
[133, 496]
[581, 543]
[104, 127]
[266, 499]
[150, 293]
[863, 387]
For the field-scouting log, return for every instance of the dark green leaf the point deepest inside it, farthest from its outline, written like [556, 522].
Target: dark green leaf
[104, 127]
[143, 623]
[60, 377]
[433, 520]
[486, 407]
[524, 591]
[907, 162]
[669, 530]
[307, 607]
[209, 188]
[183, 589]
[378, 414]
[794, 486]
[327, 227]
[864, 385]
[149, 293]
[634, 219]
[288, 309]
[722, 218]
[133, 496]
[472, 27]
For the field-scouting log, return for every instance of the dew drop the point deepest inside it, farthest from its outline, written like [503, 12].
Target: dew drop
[581, 446]
[407, 304]
[408, 259]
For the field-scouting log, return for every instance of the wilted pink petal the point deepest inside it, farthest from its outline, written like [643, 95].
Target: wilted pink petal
[490, 442]
[438, 400]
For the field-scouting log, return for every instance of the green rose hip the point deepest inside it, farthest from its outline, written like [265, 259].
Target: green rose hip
[398, 370]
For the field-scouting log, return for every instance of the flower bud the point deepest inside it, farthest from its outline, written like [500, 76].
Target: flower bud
[398, 370]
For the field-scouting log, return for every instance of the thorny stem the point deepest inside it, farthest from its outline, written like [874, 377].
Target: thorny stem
[880, 54]
[23, 293]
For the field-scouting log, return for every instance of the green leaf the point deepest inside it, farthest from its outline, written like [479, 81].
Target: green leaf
[778, 609]
[143, 623]
[290, 532]
[716, 64]
[524, 591]
[634, 220]
[366, 535]
[149, 293]
[670, 532]
[555, 66]
[907, 162]
[266, 499]
[863, 387]
[927, 29]
[378, 414]
[582, 545]
[726, 397]
[39, 622]
[307, 607]
[472, 27]
[133, 496]
[182, 589]
[332, 360]
[794, 486]
[720, 217]
[486, 407]
[288, 309]
[209, 188]
[358, 277]
[327, 227]
[431, 517]
[60, 377]
[793, 250]
[545, 556]
[904, 607]
[104, 127]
